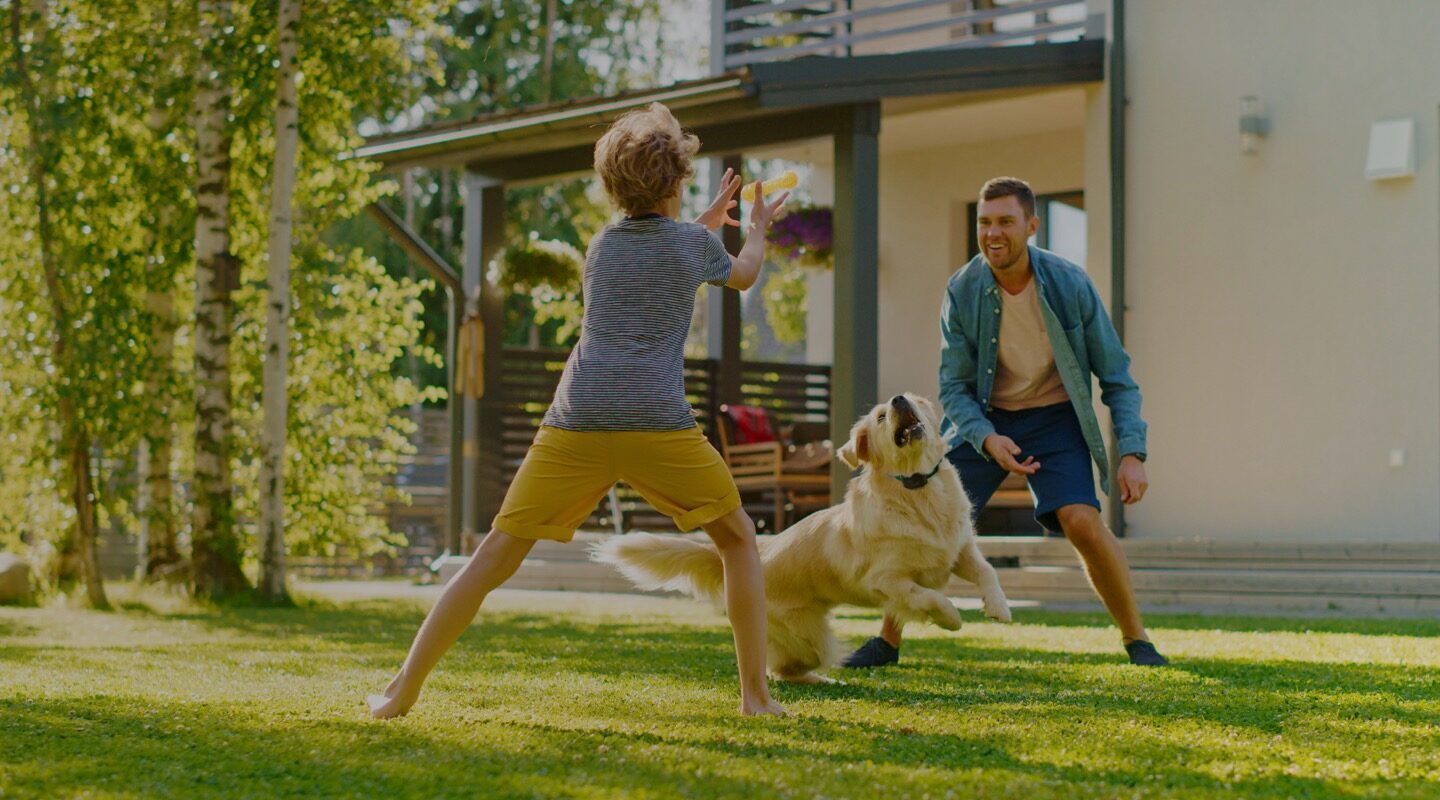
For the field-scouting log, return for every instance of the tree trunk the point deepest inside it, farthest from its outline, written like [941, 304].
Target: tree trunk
[547, 66]
[75, 442]
[159, 549]
[215, 545]
[277, 315]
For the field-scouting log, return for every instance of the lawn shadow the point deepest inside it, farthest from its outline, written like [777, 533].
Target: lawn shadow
[1261, 695]
[14, 628]
[81, 746]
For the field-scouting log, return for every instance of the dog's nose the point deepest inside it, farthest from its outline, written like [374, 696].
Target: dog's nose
[899, 401]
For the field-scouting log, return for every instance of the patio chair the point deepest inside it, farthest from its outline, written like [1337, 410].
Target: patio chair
[797, 476]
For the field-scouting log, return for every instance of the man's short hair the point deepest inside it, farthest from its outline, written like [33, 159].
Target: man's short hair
[996, 188]
[643, 158]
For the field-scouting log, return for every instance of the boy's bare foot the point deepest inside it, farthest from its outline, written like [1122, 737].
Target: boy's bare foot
[767, 708]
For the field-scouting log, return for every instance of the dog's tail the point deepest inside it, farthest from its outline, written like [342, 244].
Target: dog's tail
[666, 563]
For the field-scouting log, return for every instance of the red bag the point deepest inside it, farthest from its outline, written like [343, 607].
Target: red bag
[750, 425]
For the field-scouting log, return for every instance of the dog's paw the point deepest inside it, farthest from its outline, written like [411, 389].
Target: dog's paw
[998, 611]
[950, 621]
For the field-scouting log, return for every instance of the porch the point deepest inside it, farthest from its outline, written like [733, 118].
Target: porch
[834, 104]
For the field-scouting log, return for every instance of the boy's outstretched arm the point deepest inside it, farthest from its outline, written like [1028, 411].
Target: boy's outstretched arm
[752, 256]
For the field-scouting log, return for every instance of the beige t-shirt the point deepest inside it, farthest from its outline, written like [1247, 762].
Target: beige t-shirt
[1025, 374]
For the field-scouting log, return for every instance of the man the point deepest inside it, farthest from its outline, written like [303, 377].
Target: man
[1023, 330]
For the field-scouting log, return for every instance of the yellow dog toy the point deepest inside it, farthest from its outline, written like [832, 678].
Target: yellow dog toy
[787, 181]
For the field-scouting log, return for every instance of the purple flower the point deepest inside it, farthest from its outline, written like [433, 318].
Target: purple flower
[805, 234]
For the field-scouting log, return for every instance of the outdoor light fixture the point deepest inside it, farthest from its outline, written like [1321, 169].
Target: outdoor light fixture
[1392, 150]
[1253, 126]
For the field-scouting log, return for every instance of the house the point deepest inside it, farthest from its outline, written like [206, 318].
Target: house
[1253, 187]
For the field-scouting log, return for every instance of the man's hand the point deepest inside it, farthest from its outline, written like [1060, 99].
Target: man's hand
[1133, 482]
[1004, 450]
[717, 215]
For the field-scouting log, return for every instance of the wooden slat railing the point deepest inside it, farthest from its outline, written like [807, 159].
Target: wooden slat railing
[757, 32]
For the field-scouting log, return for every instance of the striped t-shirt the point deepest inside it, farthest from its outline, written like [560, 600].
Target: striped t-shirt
[628, 371]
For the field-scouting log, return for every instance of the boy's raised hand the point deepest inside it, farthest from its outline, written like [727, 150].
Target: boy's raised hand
[717, 215]
[761, 212]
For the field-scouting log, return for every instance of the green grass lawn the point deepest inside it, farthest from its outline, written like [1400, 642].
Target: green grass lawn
[600, 696]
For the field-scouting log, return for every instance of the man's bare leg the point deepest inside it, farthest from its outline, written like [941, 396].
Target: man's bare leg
[491, 565]
[1105, 565]
[734, 536]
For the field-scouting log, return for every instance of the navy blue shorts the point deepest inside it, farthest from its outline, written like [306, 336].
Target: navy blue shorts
[1052, 435]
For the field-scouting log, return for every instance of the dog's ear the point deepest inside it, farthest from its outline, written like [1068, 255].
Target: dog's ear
[858, 448]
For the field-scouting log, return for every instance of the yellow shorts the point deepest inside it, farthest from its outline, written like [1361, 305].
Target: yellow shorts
[565, 474]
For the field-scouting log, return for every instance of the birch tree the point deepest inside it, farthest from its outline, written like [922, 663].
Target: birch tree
[216, 547]
[34, 57]
[277, 319]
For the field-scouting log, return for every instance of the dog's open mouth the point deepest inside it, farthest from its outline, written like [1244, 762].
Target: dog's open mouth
[913, 433]
[908, 427]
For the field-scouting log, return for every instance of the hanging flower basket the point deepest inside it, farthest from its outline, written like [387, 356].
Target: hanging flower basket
[531, 264]
[803, 237]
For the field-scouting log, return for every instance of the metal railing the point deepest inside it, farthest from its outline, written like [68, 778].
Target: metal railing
[750, 32]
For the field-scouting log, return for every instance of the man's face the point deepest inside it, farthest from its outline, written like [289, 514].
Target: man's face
[1002, 229]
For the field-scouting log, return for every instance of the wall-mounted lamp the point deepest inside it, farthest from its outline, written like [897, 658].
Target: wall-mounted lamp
[1392, 150]
[1253, 126]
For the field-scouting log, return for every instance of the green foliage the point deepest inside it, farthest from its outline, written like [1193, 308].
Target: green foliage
[349, 316]
[121, 181]
[785, 294]
[103, 169]
[494, 61]
[117, 84]
[637, 696]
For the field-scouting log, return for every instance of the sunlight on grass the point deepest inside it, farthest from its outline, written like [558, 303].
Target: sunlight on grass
[606, 696]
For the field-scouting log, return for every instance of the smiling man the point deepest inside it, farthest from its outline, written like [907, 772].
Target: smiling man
[1023, 331]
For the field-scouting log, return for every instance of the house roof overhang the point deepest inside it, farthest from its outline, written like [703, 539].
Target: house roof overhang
[762, 105]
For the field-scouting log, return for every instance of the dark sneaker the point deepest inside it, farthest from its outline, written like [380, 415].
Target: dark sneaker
[874, 653]
[1144, 654]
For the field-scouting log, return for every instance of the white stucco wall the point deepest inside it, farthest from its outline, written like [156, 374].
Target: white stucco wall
[1284, 312]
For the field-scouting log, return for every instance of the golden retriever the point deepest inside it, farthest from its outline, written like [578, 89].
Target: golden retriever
[893, 544]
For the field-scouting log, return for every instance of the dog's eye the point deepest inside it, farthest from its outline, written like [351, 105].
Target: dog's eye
[882, 416]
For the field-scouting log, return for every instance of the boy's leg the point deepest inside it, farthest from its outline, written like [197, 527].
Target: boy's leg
[492, 564]
[979, 477]
[734, 536]
[563, 476]
[681, 474]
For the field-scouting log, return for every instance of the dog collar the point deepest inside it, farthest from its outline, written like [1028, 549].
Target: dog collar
[916, 480]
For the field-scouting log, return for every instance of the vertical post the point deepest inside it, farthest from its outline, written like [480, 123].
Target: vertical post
[855, 374]
[483, 232]
[723, 319]
[717, 36]
[454, 479]
[492, 309]
[1117, 219]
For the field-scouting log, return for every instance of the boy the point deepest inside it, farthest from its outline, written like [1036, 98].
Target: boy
[620, 411]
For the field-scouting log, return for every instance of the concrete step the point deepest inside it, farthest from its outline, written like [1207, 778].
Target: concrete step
[1375, 579]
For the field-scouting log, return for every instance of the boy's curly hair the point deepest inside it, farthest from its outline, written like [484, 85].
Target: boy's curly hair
[643, 158]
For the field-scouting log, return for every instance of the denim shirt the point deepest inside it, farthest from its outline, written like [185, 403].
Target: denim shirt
[1080, 333]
